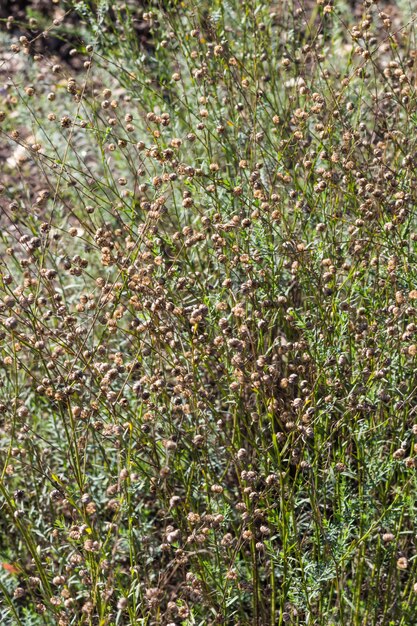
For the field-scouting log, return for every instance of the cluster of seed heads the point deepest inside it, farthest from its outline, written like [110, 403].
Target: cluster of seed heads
[208, 318]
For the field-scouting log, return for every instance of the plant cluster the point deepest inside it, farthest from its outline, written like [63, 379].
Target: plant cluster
[208, 315]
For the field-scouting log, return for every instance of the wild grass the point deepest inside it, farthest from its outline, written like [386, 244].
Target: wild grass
[208, 314]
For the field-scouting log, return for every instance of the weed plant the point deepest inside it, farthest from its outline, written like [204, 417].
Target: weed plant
[208, 314]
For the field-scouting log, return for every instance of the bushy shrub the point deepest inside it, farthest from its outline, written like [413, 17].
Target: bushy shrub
[208, 314]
